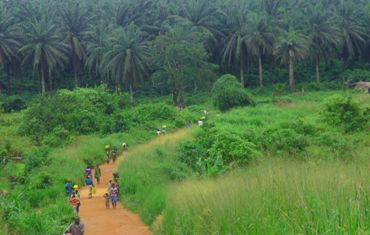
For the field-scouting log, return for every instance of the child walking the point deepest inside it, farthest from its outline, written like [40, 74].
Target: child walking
[107, 199]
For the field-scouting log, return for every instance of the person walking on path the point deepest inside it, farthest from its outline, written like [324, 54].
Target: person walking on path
[89, 183]
[97, 174]
[68, 188]
[114, 195]
[124, 147]
[87, 171]
[107, 153]
[114, 154]
[74, 199]
[76, 228]
[107, 199]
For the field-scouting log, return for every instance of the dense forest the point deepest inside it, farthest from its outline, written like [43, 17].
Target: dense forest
[224, 116]
[162, 47]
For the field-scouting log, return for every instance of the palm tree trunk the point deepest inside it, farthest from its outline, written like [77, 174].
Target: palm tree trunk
[131, 94]
[242, 71]
[9, 81]
[43, 88]
[291, 74]
[317, 69]
[174, 97]
[75, 70]
[260, 70]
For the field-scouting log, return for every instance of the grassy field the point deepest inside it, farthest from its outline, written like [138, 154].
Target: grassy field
[275, 197]
[322, 189]
[146, 172]
[312, 178]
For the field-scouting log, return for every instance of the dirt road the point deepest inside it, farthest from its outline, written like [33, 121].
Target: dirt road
[119, 221]
[101, 221]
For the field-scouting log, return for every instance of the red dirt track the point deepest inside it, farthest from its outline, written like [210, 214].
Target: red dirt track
[101, 221]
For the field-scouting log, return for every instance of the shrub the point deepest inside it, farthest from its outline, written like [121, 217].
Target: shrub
[190, 153]
[279, 139]
[227, 93]
[157, 111]
[13, 103]
[215, 150]
[36, 157]
[344, 112]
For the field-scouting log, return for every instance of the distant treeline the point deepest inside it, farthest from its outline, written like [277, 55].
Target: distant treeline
[172, 46]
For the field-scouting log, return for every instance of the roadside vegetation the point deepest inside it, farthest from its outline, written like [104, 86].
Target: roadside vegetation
[57, 141]
[284, 162]
[284, 138]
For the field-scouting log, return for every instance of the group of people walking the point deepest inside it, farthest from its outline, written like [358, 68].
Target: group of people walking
[112, 155]
[162, 131]
[72, 191]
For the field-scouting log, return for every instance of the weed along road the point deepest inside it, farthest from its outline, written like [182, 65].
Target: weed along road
[101, 221]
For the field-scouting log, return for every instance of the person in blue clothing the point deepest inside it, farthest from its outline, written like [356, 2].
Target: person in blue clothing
[89, 183]
[68, 188]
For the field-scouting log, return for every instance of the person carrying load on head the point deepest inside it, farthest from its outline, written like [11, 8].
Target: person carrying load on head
[124, 147]
[107, 153]
[164, 129]
[74, 199]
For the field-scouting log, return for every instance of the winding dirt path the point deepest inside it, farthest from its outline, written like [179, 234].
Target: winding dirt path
[101, 221]
[119, 221]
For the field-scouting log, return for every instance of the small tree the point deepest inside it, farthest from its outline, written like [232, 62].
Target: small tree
[227, 93]
[343, 111]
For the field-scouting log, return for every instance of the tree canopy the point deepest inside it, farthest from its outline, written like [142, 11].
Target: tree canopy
[131, 44]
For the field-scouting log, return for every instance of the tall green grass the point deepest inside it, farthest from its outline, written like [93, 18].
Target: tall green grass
[275, 197]
[146, 172]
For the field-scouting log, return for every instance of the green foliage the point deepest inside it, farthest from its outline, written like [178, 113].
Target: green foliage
[215, 150]
[227, 93]
[344, 112]
[283, 139]
[145, 191]
[68, 112]
[356, 75]
[36, 157]
[53, 120]
[13, 103]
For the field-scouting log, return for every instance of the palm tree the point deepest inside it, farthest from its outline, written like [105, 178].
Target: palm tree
[9, 41]
[76, 25]
[260, 39]
[235, 49]
[201, 15]
[44, 48]
[292, 46]
[148, 15]
[96, 47]
[324, 34]
[354, 31]
[126, 59]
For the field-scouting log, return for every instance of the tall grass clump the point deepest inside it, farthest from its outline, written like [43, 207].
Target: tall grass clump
[148, 170]
[276, 197]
